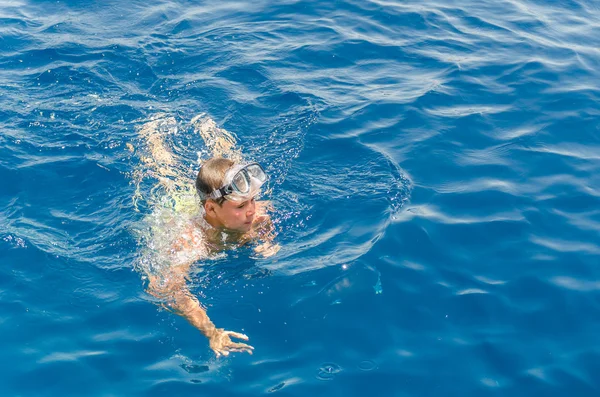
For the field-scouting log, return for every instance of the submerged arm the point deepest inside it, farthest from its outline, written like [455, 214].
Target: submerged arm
[175, 296]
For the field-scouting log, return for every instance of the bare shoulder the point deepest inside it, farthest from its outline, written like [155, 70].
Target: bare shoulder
[264, 230]
[263, 225]
[264, 207]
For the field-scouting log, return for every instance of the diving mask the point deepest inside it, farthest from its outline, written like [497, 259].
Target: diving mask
[241, 182]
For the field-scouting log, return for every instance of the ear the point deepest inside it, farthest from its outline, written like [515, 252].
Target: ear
[209, 206]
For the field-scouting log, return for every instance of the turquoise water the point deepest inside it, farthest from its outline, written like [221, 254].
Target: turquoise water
[434, 169]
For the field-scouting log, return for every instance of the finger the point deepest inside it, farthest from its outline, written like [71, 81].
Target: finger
[240, 346]
[237, 335]
[240, 350]
[222, 352]
[236, 347]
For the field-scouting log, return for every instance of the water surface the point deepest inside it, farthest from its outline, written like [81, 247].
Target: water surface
[434, 166]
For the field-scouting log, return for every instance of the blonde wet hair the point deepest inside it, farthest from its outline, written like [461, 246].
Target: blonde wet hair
[211, 176]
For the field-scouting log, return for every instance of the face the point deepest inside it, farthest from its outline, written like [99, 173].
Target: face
[233, 215]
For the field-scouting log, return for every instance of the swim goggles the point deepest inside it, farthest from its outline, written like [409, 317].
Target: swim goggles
[241, 182]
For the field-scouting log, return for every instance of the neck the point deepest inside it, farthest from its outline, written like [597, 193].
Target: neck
[215, 235]
[211, 220]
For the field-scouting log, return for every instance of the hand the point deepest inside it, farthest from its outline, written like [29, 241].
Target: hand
[221, 343]
[267, 249]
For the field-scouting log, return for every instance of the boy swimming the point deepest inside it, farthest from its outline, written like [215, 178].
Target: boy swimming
[229, 215]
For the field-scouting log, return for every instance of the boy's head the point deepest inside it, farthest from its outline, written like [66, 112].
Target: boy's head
[211, 177]
[227, 192]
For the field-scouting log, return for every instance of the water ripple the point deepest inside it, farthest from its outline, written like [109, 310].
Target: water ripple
[434, 169]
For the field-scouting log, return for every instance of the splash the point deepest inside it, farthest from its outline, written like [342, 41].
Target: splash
[164, 184]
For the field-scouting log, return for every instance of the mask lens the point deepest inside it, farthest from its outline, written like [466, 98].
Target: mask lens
[240, 183]
[256, 171]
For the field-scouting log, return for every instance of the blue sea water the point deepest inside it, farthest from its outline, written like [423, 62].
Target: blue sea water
[435, 173]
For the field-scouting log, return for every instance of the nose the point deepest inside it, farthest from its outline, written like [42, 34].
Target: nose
[251, 208]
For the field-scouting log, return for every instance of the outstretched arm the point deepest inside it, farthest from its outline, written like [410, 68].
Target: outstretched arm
[175, 296]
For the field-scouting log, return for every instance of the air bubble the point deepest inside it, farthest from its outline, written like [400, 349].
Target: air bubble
[328, 371]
